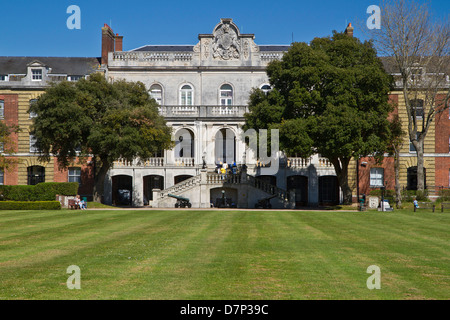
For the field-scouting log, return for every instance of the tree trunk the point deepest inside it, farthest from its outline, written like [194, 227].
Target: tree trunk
[341, 168]
[420, 172]
[99, 181]
[398, 190]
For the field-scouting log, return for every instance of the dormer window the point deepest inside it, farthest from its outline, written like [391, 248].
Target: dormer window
[74, 78]
[36, 74]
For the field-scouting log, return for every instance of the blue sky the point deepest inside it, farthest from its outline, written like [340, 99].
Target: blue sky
[38, 28]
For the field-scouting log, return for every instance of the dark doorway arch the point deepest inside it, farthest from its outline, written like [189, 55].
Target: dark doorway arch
[328, 190]
[225, 146]
[184, 144]
[122, 190]
[36, 174]
[412, 178]
[299, 184]
[181, 178]
[152, 182]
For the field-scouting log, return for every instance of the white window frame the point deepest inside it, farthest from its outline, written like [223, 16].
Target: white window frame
[411, 146]
[157, 93]
[32, 114]
[2, 109]
[186, 94]
[376, 177]
[74, 77]
[226, 100]
[33, 148]
[4, 77]
[75, 173]
[36, 77]
[265, 90]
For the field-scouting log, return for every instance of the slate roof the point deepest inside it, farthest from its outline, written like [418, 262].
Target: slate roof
[189, 48]
[157, 48]
[58, 65]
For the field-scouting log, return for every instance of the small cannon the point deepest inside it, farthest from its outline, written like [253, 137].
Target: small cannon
[181, 201]
[265, 203]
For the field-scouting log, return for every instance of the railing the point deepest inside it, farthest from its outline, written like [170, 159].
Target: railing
[305, 162]
[151, 162]
[203, 111]
[185, 162]
[146, 56]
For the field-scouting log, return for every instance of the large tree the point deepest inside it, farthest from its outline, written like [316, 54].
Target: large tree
[7, 145]
[328, 97]
[98, 119]
[418, 46]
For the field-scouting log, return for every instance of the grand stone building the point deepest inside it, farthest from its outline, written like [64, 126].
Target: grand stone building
[203, 93]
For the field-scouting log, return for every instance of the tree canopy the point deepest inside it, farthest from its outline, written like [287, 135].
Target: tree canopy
[328, 97]
[93, 117]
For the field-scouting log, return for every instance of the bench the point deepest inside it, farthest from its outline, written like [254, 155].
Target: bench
[425, 205]
[72, 204]
[445, 204]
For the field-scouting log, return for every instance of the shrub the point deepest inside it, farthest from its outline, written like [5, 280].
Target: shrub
[45, 191]
[30, 205]
[409, 195]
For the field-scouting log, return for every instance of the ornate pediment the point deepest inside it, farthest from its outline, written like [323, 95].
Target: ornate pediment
[226, 43]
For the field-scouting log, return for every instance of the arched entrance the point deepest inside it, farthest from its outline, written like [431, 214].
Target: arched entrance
[223, 197]
[181, 178]
[122, 190]
[412, 178]
[184, 144]
[225, 146]
[328, 190]
[36, 174]
[152, 182]
[300, 186]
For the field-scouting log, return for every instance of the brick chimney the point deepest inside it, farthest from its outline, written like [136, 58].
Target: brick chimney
[349, 30]
[119, 43]
[107, 42]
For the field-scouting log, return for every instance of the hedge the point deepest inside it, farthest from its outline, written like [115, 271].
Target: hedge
[30, 205]
[45, 191]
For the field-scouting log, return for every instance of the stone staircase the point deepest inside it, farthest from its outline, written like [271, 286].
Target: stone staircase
[214, 180]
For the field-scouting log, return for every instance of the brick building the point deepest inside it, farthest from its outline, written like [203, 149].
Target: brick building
[202, 90]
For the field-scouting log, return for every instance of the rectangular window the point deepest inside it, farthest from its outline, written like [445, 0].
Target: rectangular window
[75, 175]
[2, 109]
[411, 146]
[3, 77]
[36, 74]
[33, 147]
[2, 177]
[32, 114]
[74, 78]
[376, 177]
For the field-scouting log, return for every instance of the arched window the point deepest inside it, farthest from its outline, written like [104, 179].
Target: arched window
[156, 93]
[186, 95]
[32, 114]
[266, 88]
[226, 95]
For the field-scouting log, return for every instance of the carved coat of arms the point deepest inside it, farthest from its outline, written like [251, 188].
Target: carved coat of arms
[226, 44]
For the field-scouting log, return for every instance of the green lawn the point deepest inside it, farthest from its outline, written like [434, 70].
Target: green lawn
[186, 254]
